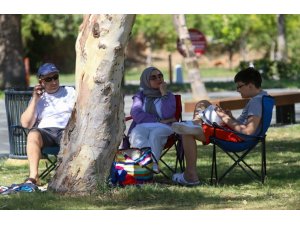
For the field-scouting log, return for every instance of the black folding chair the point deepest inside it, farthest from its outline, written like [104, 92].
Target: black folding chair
[51, 162]
[16, 101]
[238, 151]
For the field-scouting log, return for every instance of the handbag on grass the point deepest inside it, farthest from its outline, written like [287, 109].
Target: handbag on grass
[130, 166]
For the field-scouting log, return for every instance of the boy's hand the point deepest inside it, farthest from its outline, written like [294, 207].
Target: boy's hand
[226, 111]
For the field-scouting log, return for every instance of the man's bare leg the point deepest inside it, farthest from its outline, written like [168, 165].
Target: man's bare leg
[34, 146]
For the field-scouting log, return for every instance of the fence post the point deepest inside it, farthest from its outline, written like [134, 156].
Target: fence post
[170, 69]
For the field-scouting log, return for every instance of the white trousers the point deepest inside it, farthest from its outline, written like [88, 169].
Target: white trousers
[153, 135]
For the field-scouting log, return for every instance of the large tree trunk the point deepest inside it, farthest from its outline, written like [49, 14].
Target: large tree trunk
[198, 89]
[97, 124]
[12, 70]
[281, 54]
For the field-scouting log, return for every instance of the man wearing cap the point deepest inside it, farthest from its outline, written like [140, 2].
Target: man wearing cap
[46, 116]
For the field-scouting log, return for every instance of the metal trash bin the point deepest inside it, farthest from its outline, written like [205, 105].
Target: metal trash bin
[16, 101]
[179, 74]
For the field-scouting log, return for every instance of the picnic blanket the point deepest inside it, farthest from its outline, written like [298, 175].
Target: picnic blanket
[15, 188]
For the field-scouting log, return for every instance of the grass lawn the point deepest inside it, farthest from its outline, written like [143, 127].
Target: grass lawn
[280, 191]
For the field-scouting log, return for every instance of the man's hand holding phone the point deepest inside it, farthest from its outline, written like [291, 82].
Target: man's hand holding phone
[39, 89]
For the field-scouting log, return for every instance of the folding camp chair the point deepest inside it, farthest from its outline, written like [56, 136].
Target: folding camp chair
[50, 163]
[16, 102]
[173, 140]
[237, 151]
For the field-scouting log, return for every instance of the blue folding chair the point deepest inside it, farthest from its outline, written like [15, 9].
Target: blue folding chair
[237, 151]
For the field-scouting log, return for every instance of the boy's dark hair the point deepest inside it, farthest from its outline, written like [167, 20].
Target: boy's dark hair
[249, 75]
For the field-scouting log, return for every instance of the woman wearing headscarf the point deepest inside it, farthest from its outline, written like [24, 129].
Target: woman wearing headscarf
[153, 111]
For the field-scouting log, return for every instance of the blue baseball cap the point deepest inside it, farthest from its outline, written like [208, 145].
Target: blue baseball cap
[46, 69]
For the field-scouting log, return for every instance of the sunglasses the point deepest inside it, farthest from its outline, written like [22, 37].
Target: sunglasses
[158, 76]
[240, 86]
[49, 79]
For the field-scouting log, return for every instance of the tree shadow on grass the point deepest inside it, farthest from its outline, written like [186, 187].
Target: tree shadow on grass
[237, 191]
[145, 197]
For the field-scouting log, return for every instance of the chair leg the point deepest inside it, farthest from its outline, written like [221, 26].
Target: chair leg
[180, 159]
[160, 171]
[263, 161]
[237, 161]
[48, 168]
[171, 169]
[241, 159]
[179, 155]
[47, 171]
[214, 174]
[161, 160]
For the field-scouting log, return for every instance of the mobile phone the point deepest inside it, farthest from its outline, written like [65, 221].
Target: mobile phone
[42, 89]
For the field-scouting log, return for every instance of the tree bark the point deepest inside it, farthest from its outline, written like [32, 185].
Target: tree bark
[198, 89]
[12, 70]
[281, 39]
[96, 127]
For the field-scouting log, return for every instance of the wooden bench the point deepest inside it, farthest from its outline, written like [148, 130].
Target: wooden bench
[284, 101]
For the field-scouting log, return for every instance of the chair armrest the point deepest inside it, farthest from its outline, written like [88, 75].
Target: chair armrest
[246, 136]
[16, 128]
[128, 118]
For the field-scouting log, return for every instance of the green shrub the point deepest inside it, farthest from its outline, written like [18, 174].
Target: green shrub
[270, 70]
[290, 71]
[264, 66]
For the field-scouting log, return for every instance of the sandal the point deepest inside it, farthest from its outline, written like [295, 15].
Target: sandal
[179, 179]
[32, 180]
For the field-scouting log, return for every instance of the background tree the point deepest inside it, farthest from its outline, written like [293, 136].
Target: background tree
[262, 37]
[50, 38]
[198, 89]
[12, 71]
[230, 32]
[281, 39]
[292, 23]
[150, 27]
[97, 125]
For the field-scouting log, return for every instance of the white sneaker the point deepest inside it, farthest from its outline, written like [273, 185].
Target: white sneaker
[187, 127]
